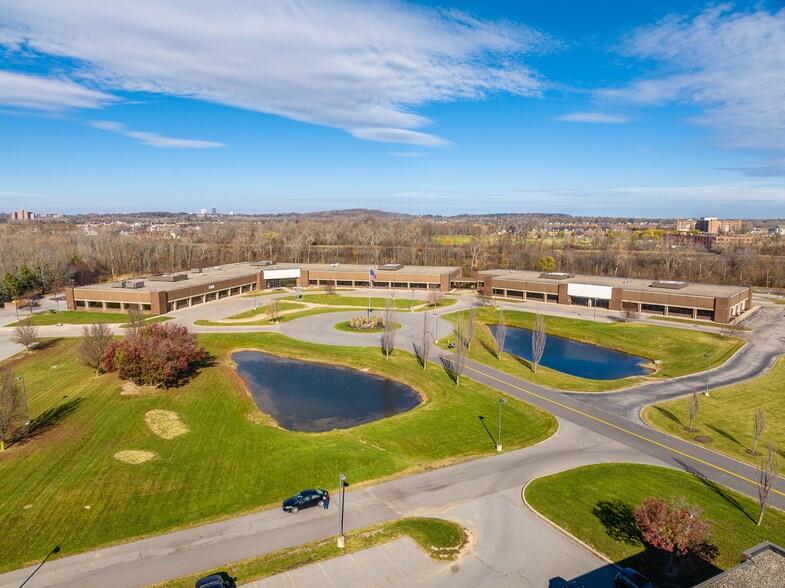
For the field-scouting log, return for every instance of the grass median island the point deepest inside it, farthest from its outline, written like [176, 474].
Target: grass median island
[267, 322]
[377, 303]
[346, 327]
[230, 461]
[594, 503]
[728, 414]
[82, 317]
[439, 539]
[262, 309]
[680, 351]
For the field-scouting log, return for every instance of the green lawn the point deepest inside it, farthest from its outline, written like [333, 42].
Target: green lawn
[670, 319]
[84, 317]
[728, 414]
[680, 351]
[359, 301]
[595, 504]
[282, 306]
[231, 461]
[267, 322]
[439, 539]
[74, 317]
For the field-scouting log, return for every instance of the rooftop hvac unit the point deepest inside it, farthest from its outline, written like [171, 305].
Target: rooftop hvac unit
[263, 263]
[669, 284]
[134, 284]
[390, 267]
[556, 275]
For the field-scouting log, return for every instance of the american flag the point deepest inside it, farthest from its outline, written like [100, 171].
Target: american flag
[371, 276]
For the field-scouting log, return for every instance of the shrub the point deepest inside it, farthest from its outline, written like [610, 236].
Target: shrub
[160, 354]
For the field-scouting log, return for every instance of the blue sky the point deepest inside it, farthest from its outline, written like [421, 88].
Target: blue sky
[661, 108]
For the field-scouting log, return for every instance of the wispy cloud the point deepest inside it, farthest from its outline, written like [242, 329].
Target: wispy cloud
[388, 135]
[729, 64]
[351, 64]
[408, 154]
[594, 117]
[153, 139]
[48, 94]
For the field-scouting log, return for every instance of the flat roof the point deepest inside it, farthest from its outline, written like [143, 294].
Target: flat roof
[210, 275]
[355, 267]
[693, 289]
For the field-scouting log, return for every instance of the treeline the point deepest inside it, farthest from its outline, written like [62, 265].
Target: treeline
[44, 257]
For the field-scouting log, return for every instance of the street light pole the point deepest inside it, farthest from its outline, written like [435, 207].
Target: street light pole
[499, 438]
[436, 328]
[341, 539]
[24, 393]
[708, 371]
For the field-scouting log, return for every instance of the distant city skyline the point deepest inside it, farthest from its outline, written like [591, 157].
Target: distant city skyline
[667, 109]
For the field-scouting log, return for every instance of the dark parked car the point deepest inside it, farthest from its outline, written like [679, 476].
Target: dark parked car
[305, 499]
[220, 580]
[573, 584]
[629, 578]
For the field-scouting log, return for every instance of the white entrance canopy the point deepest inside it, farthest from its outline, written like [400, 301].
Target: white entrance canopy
[589, 291]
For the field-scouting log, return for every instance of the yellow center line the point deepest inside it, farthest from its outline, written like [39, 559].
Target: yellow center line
[623, 430]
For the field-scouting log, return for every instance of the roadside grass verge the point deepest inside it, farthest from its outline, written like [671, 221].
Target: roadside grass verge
[679, 351]
[595, 504]
[282, 306]
[84, 317]
[728, 415]
[231, 461]
[441, 540]
[267, 322]
[670, 319]
[359, 301]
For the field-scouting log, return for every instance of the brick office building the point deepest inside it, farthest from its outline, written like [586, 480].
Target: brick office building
[159, 294]
[667, 298]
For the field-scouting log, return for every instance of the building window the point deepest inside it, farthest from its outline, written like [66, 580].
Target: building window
[146, 307]
[344, 282]
[553, 297]
[113, 305]
[653, 308]
[80, 303]
[535, 295]
[680, 310]
[94, 304]
[498, 292]
[706, 314]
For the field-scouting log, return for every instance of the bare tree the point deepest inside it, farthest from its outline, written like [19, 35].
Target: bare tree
[693, 408]
[500, 334]
[731, 329]
[539, 337]
[425, 341]
[767, 473]
[95, 340]
[472, 323]
[461, 353]
[25, 333]
[388, 336]
[435, 297]
[12, 407]
[271, 310]
[136, 318]
[758, 427]
[629, 312]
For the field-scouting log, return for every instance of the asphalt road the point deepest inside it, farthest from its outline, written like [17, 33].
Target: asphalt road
[468, 492]
[595, 428]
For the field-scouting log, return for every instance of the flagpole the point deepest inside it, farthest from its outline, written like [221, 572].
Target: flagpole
[370, 285]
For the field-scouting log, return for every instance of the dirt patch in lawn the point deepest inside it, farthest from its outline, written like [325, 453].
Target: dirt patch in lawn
[134, 456]
[165, 423]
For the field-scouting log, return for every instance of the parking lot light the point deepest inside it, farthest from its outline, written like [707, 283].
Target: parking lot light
[341, 483]
[499, 438]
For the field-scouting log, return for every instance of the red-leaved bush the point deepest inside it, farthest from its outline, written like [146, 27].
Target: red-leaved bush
[672, 527]
[160, 354]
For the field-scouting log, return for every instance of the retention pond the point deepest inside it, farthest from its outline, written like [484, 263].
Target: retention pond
[313, 397]
[575, 358]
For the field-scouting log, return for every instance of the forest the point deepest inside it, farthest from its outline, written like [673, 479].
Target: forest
[40, 257]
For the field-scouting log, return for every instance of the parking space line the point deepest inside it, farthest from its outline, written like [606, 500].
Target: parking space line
[381, 548]
[321, 567]
[361, 570]
[288, 575]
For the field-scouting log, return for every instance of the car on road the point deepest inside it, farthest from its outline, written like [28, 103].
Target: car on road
[220, 580]
[305, 499]
[629, 578]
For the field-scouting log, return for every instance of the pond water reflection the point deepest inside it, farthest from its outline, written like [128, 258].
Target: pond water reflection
[575, 358]
[313, 397]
